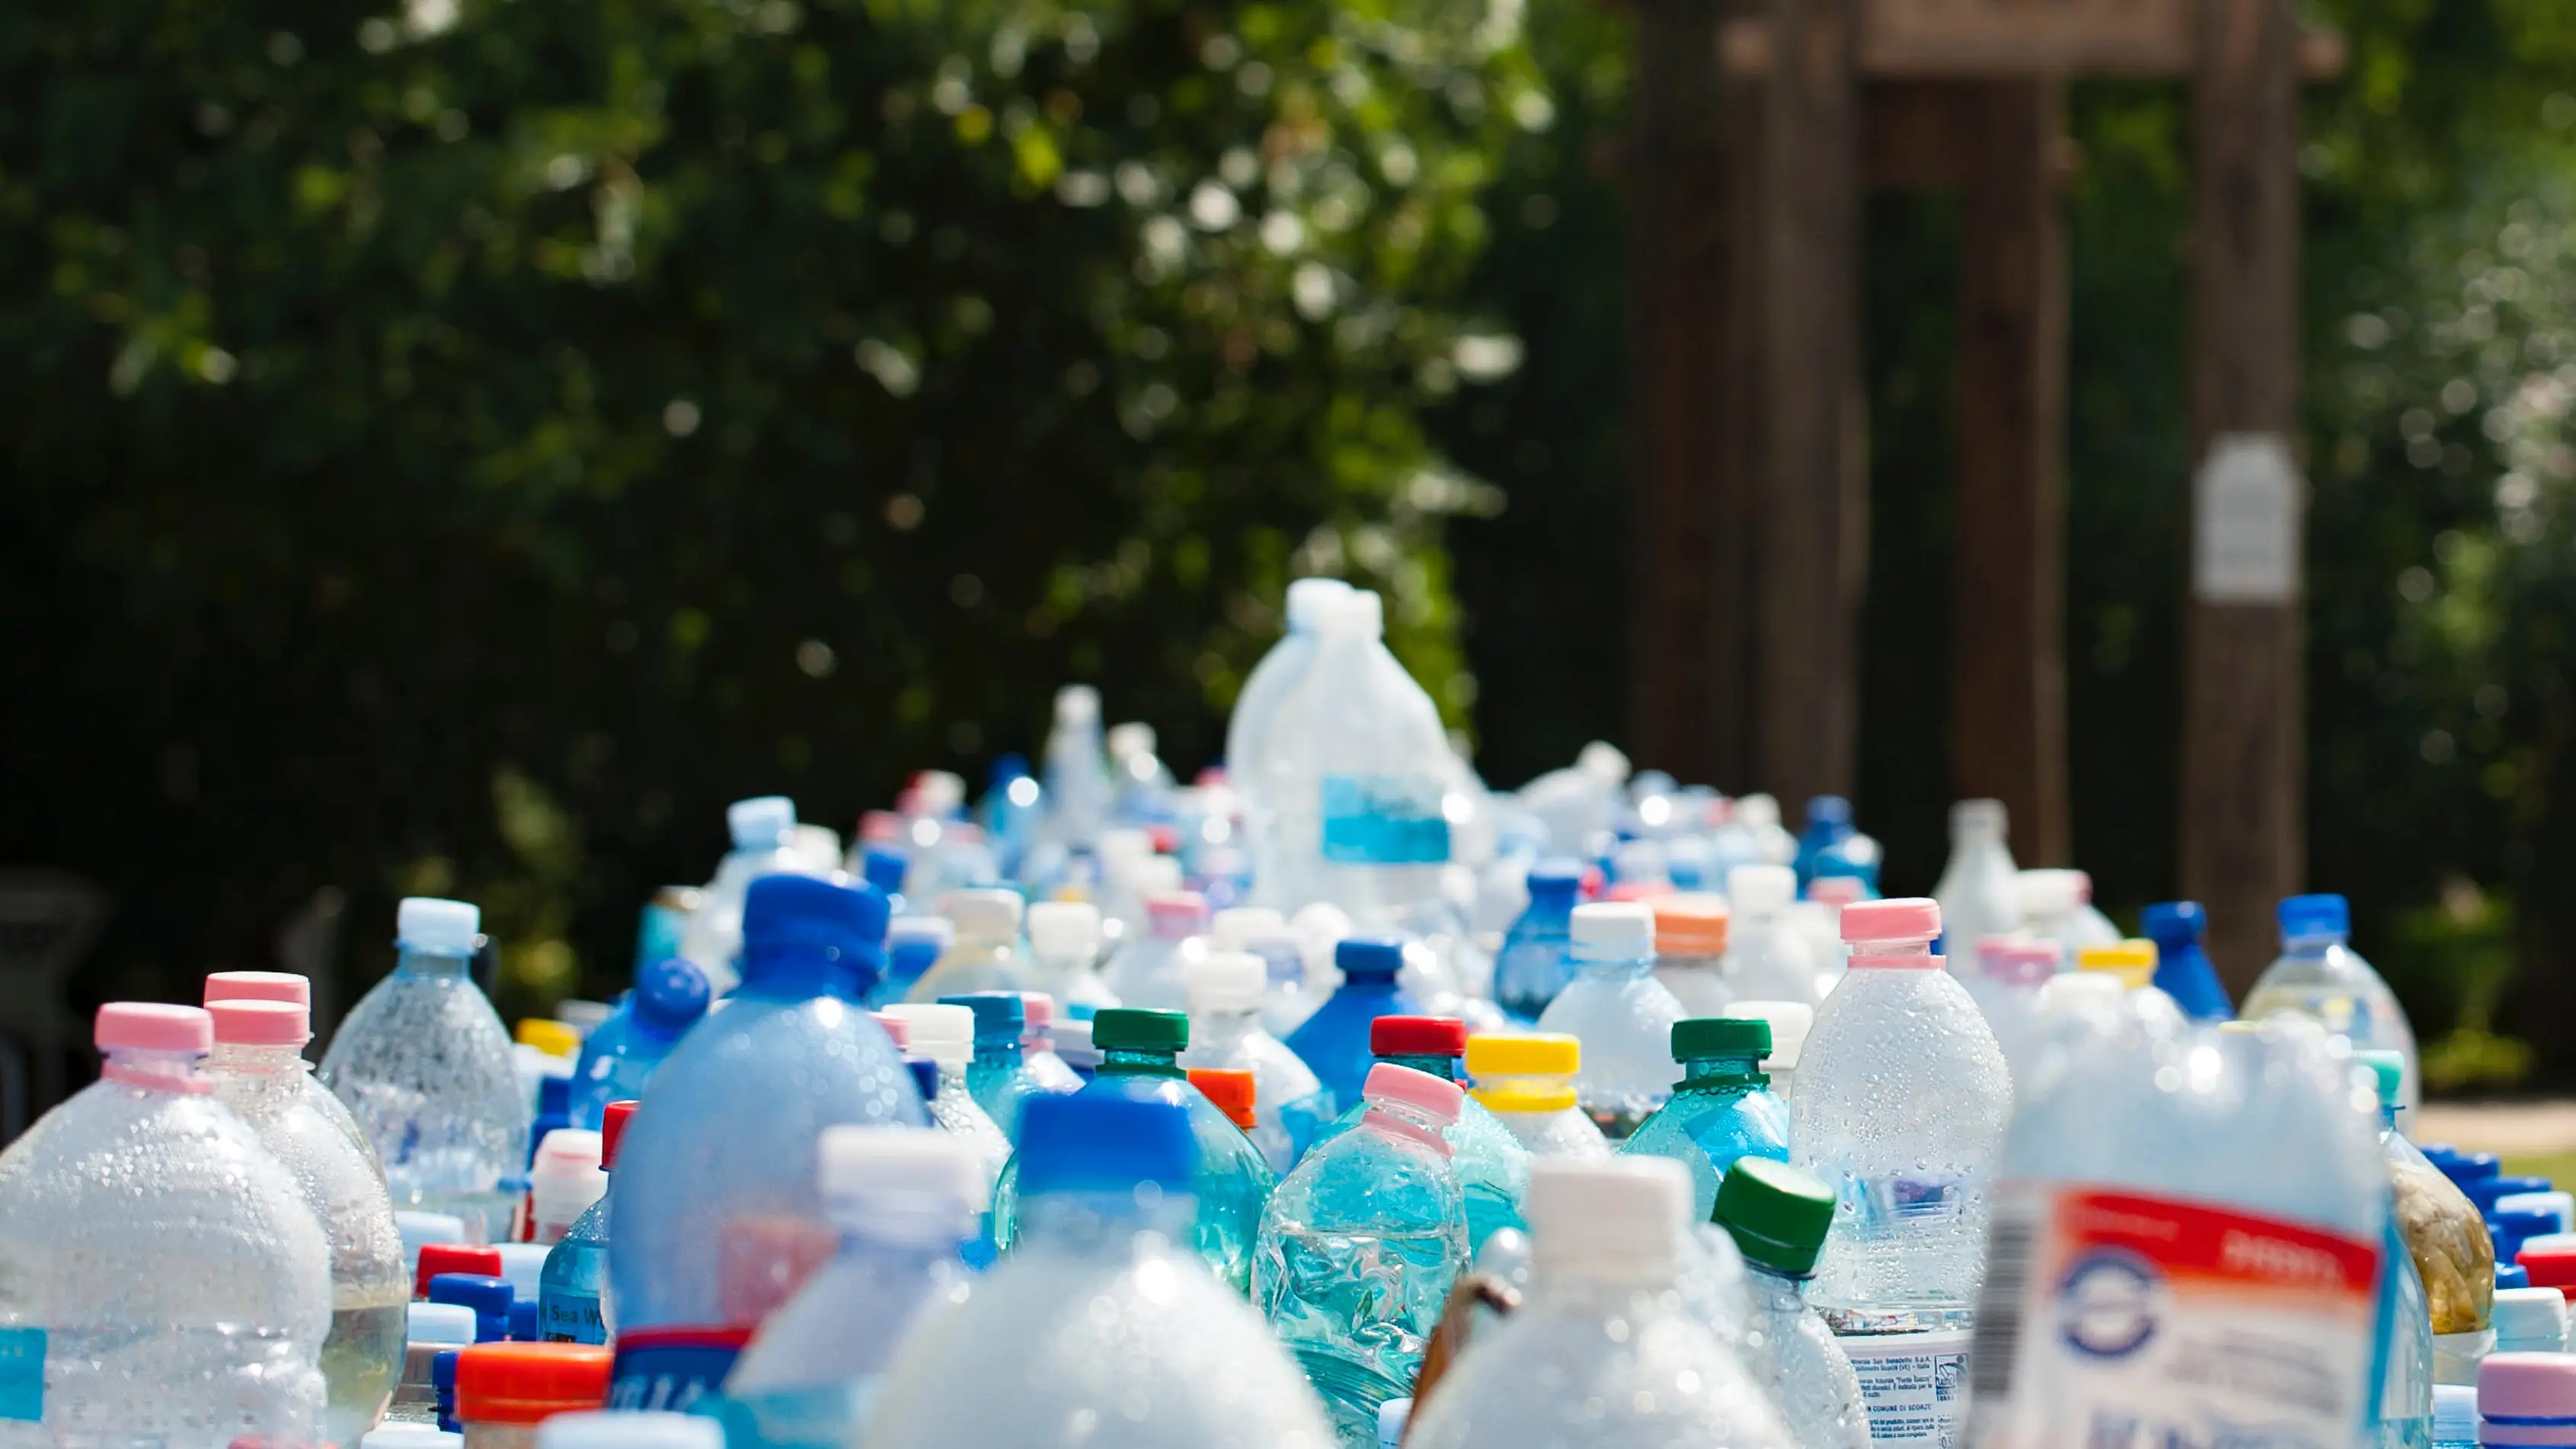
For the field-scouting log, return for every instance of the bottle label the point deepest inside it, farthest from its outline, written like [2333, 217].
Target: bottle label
[1915, 1385]
[672, 1368]
[2114, 1317]
[22, 1374]
[569, 1315]
[1384, 820]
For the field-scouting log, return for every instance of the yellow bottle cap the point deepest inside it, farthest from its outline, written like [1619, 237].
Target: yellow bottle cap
[551, 1037]
[1538, 1054]
[2132, 961]
[1520, 1096]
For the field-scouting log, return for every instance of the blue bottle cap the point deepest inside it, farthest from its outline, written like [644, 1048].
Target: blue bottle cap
[2512, 1275]
[925, 1076]
[2173, 923]
[802, 932]
[1828, 810]
[1008, 766]
[487, 1295]
[1104, 1139]
[554, 1097]
[523, 1321]
[442, 1382]
[2307, 916]
[999, 1015]
[1555, 876]
[884, 869]
[1378, 956]
[2468, 1167]
[670, 995]
[2485, 1190]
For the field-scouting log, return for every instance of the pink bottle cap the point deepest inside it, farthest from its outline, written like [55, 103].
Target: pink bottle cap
[1906, 918]
[258, 986]
[2016, 962]
[1419, 1091]
[1834, 890]
[261, 1023]
[1177, 913]
[1037, 1010]
[152, 1026]
[2527, 1386]
[897, 1028]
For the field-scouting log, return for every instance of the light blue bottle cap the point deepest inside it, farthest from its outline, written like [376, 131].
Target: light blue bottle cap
[418, 1230]
[762, 822]
[435, 927]
[438, 1323]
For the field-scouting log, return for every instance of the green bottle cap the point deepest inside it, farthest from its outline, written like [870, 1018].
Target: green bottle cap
[1130, 1029]
[2388, 1072]
[1703, 1037]
[1777, 1214]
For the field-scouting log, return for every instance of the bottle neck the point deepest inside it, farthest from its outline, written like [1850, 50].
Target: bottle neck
[415, 962]
[1445, 1068]
[1553, 905]
[1127, 1062]
[952, 1078]
[1771, 1288]
[2313, 945]
[1370, 984]
[236, 1059]
[1722, 1074]
[1222, 1028]
[178, 1073]
[1004, 1055]
[1616, 968]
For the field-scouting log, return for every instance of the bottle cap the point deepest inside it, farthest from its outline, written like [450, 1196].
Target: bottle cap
[1777, 1214]
[261, 1023]
[487, 1294]
[1758, 812]
[2173, 923]
[989, 916]
[1613, 931]
[1232, 1090]
[1789, 1022]
[2048, 892]
[1555, 877]
[1904, 918]
[1094, 1140]
[2559, 1205]
[1000, 1016]
[1417, 1036]
[1037, 1012]
[670, 995]
[2512, 1275]
[2082, 991]
[549, 1036]
[1690, 924]
[937, 932]
[2387, 1076]
[630, 1429]
[2311, 916]
[884, 869]
[426, 1322]
[1176, 915]
[437, 928]
[1064, 930]
[1761, 890]
[2468, 1167]
[2525, 1315]
[1236, 927]
[897, 1030]
[1603, 761]
[612, 1130]
[1371, 956]
[1700, 1038]
[793, 923]
[567, 1176]
[2017, 960]
[258, 986]
[941, 1032]
[1434, 1097]
[1073, 1042]
[1308, 599]
[2455, 1414]
[1530, 1054]
[2132, 963]
[524, 1266]
[2553, 1268]
[1225, 981]
[1835, 891]
[1828, 810]
[438, 1259]
[1978, 816]
[152, 1026]
[2525, 1386]
[763, 822]
[526, 1383]
[870, 1158]
[2487, 1191]
[1608, 1218]
[1077, 704]
[1134, 1029]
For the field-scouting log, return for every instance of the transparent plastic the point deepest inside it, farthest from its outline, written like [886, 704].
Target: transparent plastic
[1788, 1347]
[574, 1304]
[712, 939]
[1537, 958]
[2319, 977]
[1492, 1165]
[1287, 1098]
[1722, 1110]
[1980, 889]
[1624, 1017]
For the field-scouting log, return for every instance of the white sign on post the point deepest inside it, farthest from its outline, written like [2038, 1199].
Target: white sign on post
[2245, 521]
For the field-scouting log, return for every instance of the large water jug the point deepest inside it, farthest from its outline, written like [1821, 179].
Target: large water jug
[1722, 1109]
[1979, 890]
[718, 1220]
[1256, 707]
[1778, 1217]
[425, 1067]
[1623, 1016]
[1334, 1042]
[2322, 978]
[621, 1053]
[161, 1280]
[763, 830]
[1225, 993]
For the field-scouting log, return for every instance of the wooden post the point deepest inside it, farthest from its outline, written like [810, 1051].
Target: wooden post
[2008, 706]
[1813, 548]
[2244, 759]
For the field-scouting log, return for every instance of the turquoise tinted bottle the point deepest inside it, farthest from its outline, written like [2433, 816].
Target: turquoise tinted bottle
[998, 1076]
[1721, 1110]
[1537, 958]
[1492, 1166]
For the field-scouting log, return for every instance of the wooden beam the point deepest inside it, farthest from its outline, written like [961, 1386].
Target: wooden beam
[1744, 49]
[2244, 757]
[2008, 589]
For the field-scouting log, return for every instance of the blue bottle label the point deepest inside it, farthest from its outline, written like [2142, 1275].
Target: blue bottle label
[1384, 820]
[22, 1374]
[569, 1315]
[672, 1368]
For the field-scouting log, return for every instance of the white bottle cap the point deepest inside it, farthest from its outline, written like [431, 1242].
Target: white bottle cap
[857, 1160]
[1613, 931]
[1077, 704]
[1611, 1218]
[987, 916]
[421, 1229]
[1977, 815]
[523, 1264]
[1236, 927]
[565, 1179]
[427, 1322]
[762, 822]
[1603, 761]
[440, 928]
[1790, 1023]
[1760, 890]
[411, 1436]
[1132, 738]
[2081, 991]
[938, 791]
[1309, 598]
[945, 1034]
[1121, 846]
[1071, 1036]
[1758, 812]
[1064, 930]
[2050, 892]
[921, 928]
[1156, 875]
[1225, 981]
[1357, 612]
[630, 1429]
[2525, 1317]
[818, 845]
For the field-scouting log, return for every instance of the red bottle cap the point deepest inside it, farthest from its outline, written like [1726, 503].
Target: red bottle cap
[437, 1258]
[526, 1383]
[612, 1129]
[1231, 1091]
[1418, 1036]
[2551, 1268]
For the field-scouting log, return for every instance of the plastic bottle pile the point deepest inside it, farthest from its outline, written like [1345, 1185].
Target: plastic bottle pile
[1334, 1099]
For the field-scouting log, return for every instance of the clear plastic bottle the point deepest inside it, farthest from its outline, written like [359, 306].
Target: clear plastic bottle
[1779, 1218]
[1623, 1016]
[986, 954]
[946, 1035]
[2133, 965]
[1766, 958]
[998, 1075]
[424, 1066]
[1537, 959]
[1142, 787]
[2008, 986]
[905, 1201]
[1790, 1021]
[1152, 972]
[2320, 977]
[1602, 1353]
[763, 830]
[718, 1221]
[1360, 1245]
[1268, 686]
[1225, 995]
[2055, 908]
[573, 1301]
[429, 1329]
[1980, 889]
[1097, 1323]
[1902, 1101]
[914, 944]
[1721, 1111]
[2183, 968]
[1334, 1041]
[619, 1055]
[2406, 1313]
[1690, 951]
[1047, 1068]
[1580, 801]
[1527, 1082]
[1064, 940]
[262, 1021]
[1077, 795]
[1492, 1166]
[161, 1279]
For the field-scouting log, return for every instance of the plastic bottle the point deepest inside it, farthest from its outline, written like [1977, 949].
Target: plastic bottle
[1779, 1217]
[1334, 1041]
[1537, 959]
[2320, 977]
[1225, 995]
[1064, 941]
[1360, 1244]
[1721, 1111]
[2455, 1416]
[2230, 1175]
[997, 1071]
[1690, 951]
[905, 1201]
[618, 1058]
[2133, 965]
[1527, 1082]
[429, 1329]
[1010, 812]
[424, 1066]
[2445, 1286]
[1076, 797]
[914, 944]
[1268, 686]
[2526, 1399]
[1902, 1101]
[763, 830]
[1292, 993]
[1234, 1093]
[1095, 1319]
[573, 1301]
[2056, 905]
[1046, 1068]
[1492, 1166]
[1580, 801]
[1766, 960]
[258, 1070]
[1790, 1021]
[946, 1035]
[565, 1183]
[2183, 969]
[1152, 973]
[1073, 1043]
[1601, 1352]
[1829, 833]
[986, 954]
[2012, 975]
[885, 869]
[719, 1221]
[505, 1390]
[1979, 890]
[1621, 1013]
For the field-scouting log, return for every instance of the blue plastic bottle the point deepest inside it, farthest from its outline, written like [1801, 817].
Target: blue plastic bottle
[1335, 1040]
[1537, 958]
[1492, 1166]
[998, 1075]
[572, 1302]
[2319, 976]
[914, 944]
[1721, 1110]
[1360, 1245]
[1010, 812]
[1829, 824]
[2183, 971]
[619, 1056]
[720, 1221]
[885, 869]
